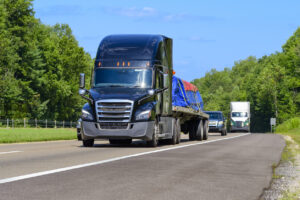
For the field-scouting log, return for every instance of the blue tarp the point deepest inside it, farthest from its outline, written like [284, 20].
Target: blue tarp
[185, 94]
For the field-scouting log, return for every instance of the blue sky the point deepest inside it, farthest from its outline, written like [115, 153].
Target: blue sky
[206, 34]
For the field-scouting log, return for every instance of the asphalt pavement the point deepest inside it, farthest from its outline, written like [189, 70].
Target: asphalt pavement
[237, 166]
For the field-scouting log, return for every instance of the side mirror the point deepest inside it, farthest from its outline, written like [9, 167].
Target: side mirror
[82, 92]
[82, 81]
[151, 92]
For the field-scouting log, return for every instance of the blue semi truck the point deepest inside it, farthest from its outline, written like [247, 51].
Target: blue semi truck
[135, 95]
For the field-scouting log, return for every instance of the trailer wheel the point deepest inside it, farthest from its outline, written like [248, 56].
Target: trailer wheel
[178, 129]
[199, 133]
[154, 141]
[205, 130]
[192, 131]
[88, 143]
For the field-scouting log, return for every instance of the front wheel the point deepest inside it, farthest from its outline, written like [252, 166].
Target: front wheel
[223, 132]
[88, 143]
[154, 141]
[173, 140]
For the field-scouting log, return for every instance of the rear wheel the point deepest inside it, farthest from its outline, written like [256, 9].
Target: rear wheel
[205, 130]
[88, 143]
[154, 141]
[199, 133]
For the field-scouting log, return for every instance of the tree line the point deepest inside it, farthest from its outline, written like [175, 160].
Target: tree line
[39, 66]
[270, 83]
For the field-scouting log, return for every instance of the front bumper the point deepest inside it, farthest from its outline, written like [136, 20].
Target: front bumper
[245, 128]
[215, 129]
[138, 130]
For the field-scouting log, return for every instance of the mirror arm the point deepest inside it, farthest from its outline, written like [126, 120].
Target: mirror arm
[161, 90]
[87, 98]
[156, 92]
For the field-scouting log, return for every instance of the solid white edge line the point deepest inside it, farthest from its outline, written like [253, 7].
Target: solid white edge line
[17, 178]
[8, 152]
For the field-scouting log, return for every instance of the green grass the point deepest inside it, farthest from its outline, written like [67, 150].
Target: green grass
[290, 128]
[17, 135]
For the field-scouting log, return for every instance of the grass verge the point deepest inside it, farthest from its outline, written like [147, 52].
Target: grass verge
[17, 135]
[291, 130]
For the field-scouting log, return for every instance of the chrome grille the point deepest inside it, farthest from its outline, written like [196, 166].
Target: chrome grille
[113, 125]
[113, 110]
[239, 124]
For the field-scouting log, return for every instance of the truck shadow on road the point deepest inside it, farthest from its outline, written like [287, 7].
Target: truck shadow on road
[143, 144]
[134, 144]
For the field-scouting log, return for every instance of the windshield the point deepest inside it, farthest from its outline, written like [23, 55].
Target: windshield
[214, 115]
[239, 114]
[123, 77]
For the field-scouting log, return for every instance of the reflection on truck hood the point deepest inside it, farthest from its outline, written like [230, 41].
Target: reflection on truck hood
[118, 93]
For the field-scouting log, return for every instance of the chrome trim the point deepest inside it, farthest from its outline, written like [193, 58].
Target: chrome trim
[106, 113]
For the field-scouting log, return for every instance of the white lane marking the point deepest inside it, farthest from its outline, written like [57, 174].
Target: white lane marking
[8, 152]
[18, 178]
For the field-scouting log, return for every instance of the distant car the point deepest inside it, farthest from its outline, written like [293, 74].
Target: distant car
[78, 127]
[217, 122]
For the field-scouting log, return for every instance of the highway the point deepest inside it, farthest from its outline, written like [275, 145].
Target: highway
[236, 166]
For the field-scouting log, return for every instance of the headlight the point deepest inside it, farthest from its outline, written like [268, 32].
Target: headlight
[78, 125]
[232, 122]
[86, 115]
[145, 115]
[246, 123]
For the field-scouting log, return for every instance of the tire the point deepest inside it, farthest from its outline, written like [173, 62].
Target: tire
[79, 136]
[223, 132]
[154, 141]
[121, 141]
[178, 129]
[174, 133]
[192, 131]
[199, 132]
[88, 143]
[205, 130]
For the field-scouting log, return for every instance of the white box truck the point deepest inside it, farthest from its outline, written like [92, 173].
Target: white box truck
[240, 116]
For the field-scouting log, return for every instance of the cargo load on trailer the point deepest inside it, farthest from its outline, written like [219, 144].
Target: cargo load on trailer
[185, 94]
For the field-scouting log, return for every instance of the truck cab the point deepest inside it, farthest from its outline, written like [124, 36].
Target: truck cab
[131, 91]
[240, 116]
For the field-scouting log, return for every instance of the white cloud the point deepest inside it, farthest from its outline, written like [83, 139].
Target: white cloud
[152, 13]
[174, 17]
[137, 12]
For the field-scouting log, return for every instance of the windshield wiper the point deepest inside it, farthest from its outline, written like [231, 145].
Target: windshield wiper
[115, 86]
[135, 86]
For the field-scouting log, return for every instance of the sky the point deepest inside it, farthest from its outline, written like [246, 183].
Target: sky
[206, 34]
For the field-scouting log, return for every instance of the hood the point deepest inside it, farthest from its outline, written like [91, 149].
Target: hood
[242, 119]
[133, 94]
[214, 120]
